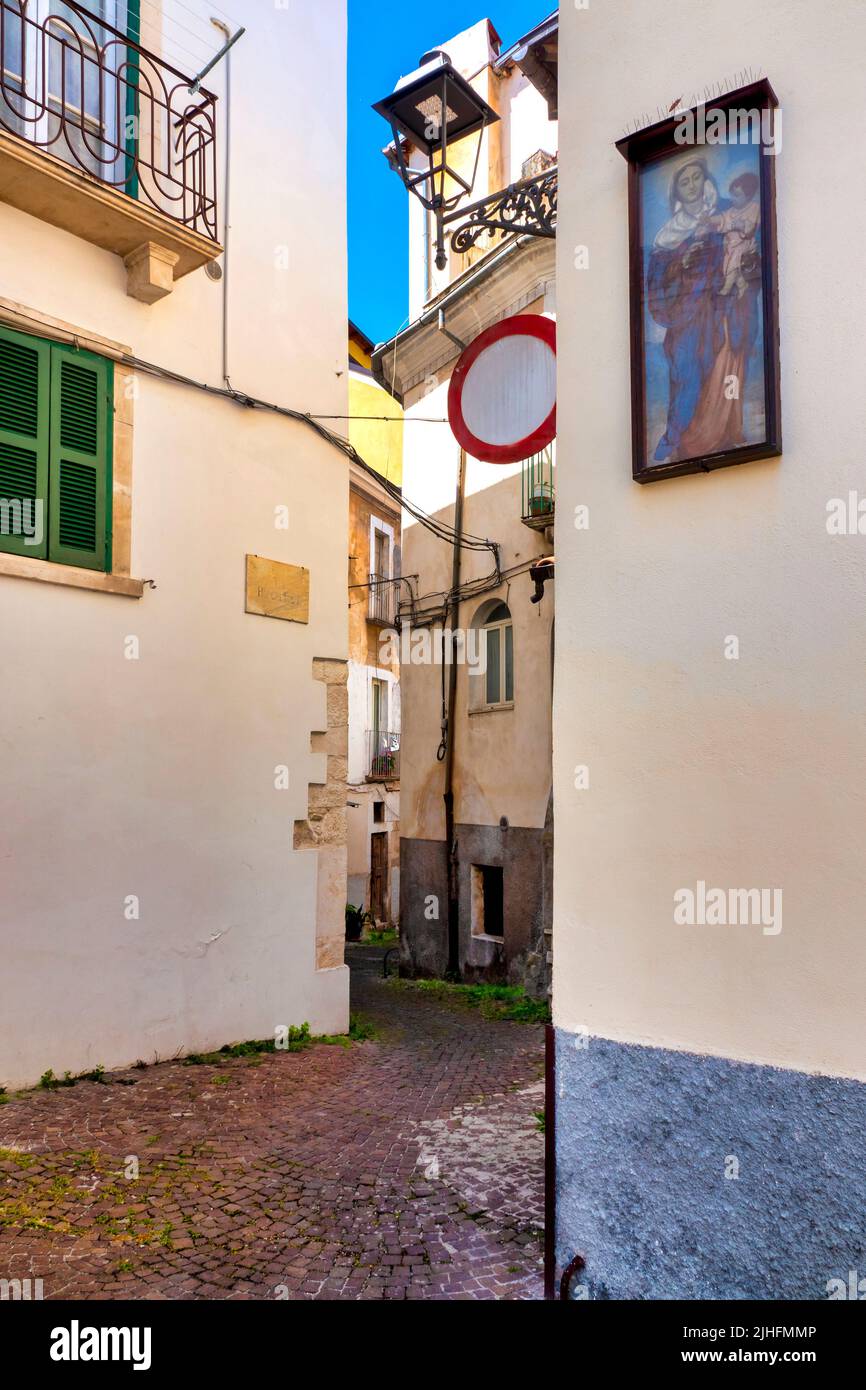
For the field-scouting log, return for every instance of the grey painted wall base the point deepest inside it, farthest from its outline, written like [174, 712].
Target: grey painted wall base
[643, 1136]
[520, 957]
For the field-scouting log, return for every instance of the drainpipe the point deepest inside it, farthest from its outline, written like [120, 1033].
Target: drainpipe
[453, 971]
[218, 23]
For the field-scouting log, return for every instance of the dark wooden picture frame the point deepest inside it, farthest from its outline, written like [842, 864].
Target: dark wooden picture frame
[740, 295]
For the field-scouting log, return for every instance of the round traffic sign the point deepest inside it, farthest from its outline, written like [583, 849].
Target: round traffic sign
[502, 394]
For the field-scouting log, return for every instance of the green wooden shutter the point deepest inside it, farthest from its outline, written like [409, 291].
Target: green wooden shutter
[24, 390]
[80, 459]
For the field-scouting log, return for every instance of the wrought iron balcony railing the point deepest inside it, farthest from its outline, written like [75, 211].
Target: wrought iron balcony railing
[538, 489]
[383, 600]
[383, 755]
[75, 86]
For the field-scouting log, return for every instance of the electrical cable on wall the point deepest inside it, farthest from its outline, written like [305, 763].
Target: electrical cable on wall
[443, 530]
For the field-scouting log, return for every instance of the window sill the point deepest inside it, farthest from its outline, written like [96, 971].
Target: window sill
[492, 709]
[46, 572]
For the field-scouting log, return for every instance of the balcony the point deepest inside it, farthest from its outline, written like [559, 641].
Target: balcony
[383, 600]
[383, 755]
[538, 490]
[105, 140]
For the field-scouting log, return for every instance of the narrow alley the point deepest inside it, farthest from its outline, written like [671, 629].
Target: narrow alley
[407, 1165]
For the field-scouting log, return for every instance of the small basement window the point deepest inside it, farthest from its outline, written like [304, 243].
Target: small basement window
[488, 917]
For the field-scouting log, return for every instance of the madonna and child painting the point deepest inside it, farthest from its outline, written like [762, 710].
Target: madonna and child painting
[705, 383]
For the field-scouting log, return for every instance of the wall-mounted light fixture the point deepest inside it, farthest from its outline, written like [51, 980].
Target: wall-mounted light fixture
[433, 108]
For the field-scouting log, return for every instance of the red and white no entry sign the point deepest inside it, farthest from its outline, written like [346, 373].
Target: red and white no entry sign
[502, 395]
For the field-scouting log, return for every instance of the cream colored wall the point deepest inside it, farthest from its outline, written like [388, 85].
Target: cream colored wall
[502, 760]
[155, 777]
[741, 773]
[527, 126]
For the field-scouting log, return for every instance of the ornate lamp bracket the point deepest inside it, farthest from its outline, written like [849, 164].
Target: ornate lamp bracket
[527, 208]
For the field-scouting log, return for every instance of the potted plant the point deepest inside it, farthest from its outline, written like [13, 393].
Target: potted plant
[383, 765]
[541, 499]
[356, 917]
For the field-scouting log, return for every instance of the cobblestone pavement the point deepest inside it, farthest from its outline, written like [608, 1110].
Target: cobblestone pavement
[410, 1166]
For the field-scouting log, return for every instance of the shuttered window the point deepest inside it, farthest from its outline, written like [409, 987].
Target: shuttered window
[55, 452]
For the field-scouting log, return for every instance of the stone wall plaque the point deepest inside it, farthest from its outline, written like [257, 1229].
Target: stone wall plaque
[277, 590]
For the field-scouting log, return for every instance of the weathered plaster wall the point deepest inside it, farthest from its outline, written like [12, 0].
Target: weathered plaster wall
[487, 785]
[424, 914]
[502, 757]
[156, 777]
[521, 956]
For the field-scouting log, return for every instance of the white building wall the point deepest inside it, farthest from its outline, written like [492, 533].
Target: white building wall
[739, 773]
[155, 777]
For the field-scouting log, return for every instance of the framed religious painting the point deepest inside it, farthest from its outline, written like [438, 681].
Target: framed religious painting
[703, 286]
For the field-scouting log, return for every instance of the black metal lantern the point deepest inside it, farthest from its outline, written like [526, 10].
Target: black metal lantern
[433, 108]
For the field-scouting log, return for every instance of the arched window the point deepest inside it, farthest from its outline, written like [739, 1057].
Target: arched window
[494, 684]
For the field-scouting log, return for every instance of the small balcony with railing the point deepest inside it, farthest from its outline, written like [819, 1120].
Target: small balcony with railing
[538, 489]
[107, 140]
[383, 755]
[382, 607]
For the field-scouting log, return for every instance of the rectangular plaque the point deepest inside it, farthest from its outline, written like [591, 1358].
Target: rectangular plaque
[277, 590]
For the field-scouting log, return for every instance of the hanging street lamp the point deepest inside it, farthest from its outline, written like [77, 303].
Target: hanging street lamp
[433, 108]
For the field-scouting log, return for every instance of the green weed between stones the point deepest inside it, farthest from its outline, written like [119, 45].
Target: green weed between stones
[360, 1029]
[16, 1156]
[507, 1002]
[380, 938]
[49, 1082]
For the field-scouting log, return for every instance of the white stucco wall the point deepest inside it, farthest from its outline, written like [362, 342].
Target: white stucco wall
[155, 777]
[739, 773]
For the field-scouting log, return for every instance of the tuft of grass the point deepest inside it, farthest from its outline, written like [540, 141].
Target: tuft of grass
[360, 1030]
[250, 1049]
[4, 1099]
[49, 1082]
[298, 1039]
[380, 938]
[223, 1080]
[98, 1075]
[16, 1156]
[539, 1120]
[508, 1002]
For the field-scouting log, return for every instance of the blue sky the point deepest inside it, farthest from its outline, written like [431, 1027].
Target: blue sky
[385, 41]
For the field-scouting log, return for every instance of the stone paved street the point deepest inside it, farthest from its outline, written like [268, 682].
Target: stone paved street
[409, 1166]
